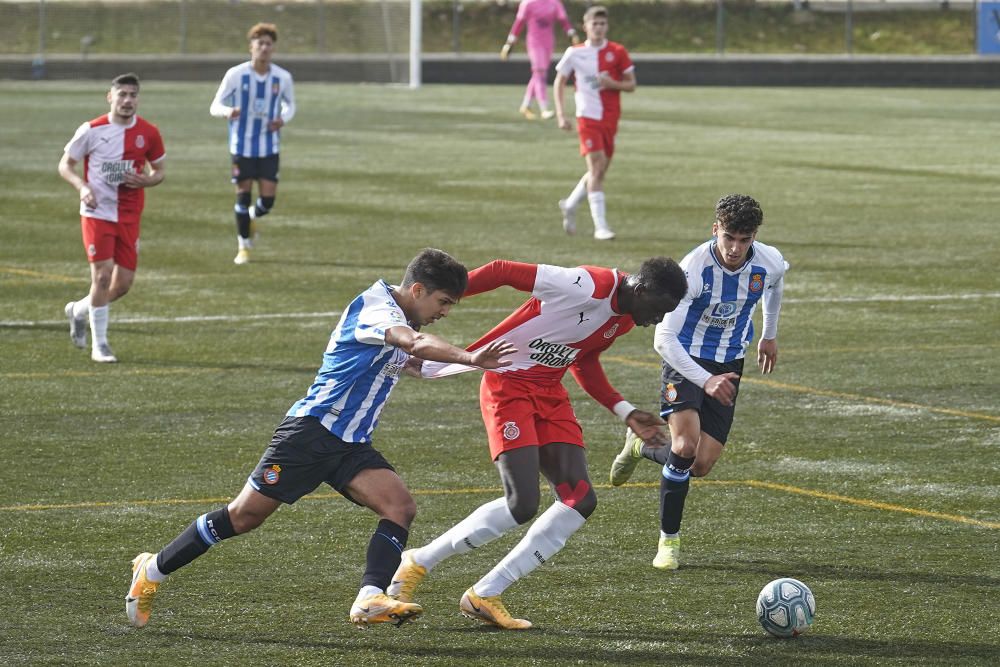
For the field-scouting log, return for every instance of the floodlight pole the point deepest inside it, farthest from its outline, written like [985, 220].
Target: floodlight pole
[415, 31]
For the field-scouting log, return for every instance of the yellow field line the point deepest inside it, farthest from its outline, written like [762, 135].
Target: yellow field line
[38, 274]
[753, 483]
[802, 389]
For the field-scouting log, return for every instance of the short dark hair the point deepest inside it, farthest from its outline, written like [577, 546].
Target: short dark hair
[662, 275]
[596, 10]
[260, 29]
[127, 79]
[437, 270]
[739, 213]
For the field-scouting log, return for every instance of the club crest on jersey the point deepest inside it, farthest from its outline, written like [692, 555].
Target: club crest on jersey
[140, 141]
[610, 333]
[756, 282]
[272, 474]
[274, 88]
[670, 393]
[609, 56]
[511, 431]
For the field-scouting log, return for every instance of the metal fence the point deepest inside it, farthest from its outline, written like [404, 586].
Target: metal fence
[931, 27]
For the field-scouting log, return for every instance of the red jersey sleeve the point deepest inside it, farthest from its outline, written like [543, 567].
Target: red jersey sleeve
[625, 61]
[501, 272]
[156, 150]
[589, 374]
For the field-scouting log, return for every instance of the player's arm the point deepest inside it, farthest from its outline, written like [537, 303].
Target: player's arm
[767, 347]
[226, 91]
[500, 273]
[665, 342]
[558, 93]
[287, 107]
[432, 348]
[590, 375]
[67, 169]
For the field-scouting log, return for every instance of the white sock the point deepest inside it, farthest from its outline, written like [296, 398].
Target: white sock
[579, 192]
[153, 573]
[484, 525]
[596, 200]
[81, 308]
[367, 591]
[245, 244]
[543, 540]
[99, 325]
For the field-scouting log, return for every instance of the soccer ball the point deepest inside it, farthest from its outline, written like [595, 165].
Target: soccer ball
[785, 607]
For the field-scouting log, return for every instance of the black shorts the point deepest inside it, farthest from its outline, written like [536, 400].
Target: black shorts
[303, 454]
[678, 393]
[255, 168]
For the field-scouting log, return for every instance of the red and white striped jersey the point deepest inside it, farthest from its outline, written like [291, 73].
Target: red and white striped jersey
[108, 152]
[565, 325]
[587, 62]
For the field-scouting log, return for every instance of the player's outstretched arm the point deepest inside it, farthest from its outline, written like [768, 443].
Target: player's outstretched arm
[432, 348]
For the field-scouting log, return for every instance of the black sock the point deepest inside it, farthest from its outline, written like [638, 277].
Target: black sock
[673, 491]
[657, 454]
[206, 530]
[385, 551]
[242, 211]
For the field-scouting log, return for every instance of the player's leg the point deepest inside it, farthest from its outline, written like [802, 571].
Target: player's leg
[518, 470]
[267, 191]
[242, 177]
[247, 511]
[382, 491]
[597, 166]
[293, 465]
[541, 60]
[101, 273]
[685, 431]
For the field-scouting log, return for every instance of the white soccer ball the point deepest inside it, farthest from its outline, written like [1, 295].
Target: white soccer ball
[785, 607]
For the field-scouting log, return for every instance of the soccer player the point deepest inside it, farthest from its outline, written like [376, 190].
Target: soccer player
[258, 98]
[572, 316]
[539, 16]
[603, 69]
[122, 155]
[327, 436]
[703, 343]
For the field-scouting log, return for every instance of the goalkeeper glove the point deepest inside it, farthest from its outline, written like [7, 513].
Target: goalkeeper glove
[505, 51]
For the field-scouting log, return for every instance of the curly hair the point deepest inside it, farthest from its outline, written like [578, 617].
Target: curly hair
[662, 275]
[739, 213]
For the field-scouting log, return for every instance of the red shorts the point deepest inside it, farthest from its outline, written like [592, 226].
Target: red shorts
[597, 135]
[522, 414]
[111, 240]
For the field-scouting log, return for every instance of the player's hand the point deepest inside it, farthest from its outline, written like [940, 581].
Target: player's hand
[492, 355]
[767, 355]
[275, 124]
[573, 37]
[234, 113]
[605, 82]
[135, 180]
[505, 51]
[87, 197]
[563, 123]
[722, 387]
[649, 427]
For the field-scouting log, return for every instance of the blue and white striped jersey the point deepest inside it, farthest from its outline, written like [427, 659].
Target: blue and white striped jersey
[715, 319]
[359, 369]
[261, 98]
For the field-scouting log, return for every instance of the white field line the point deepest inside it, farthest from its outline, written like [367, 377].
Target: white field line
[332, 314]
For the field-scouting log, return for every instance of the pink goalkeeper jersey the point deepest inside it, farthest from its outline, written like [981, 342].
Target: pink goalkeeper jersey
[109, 151]
[565, 325]
[540, 16]
[587, 62]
